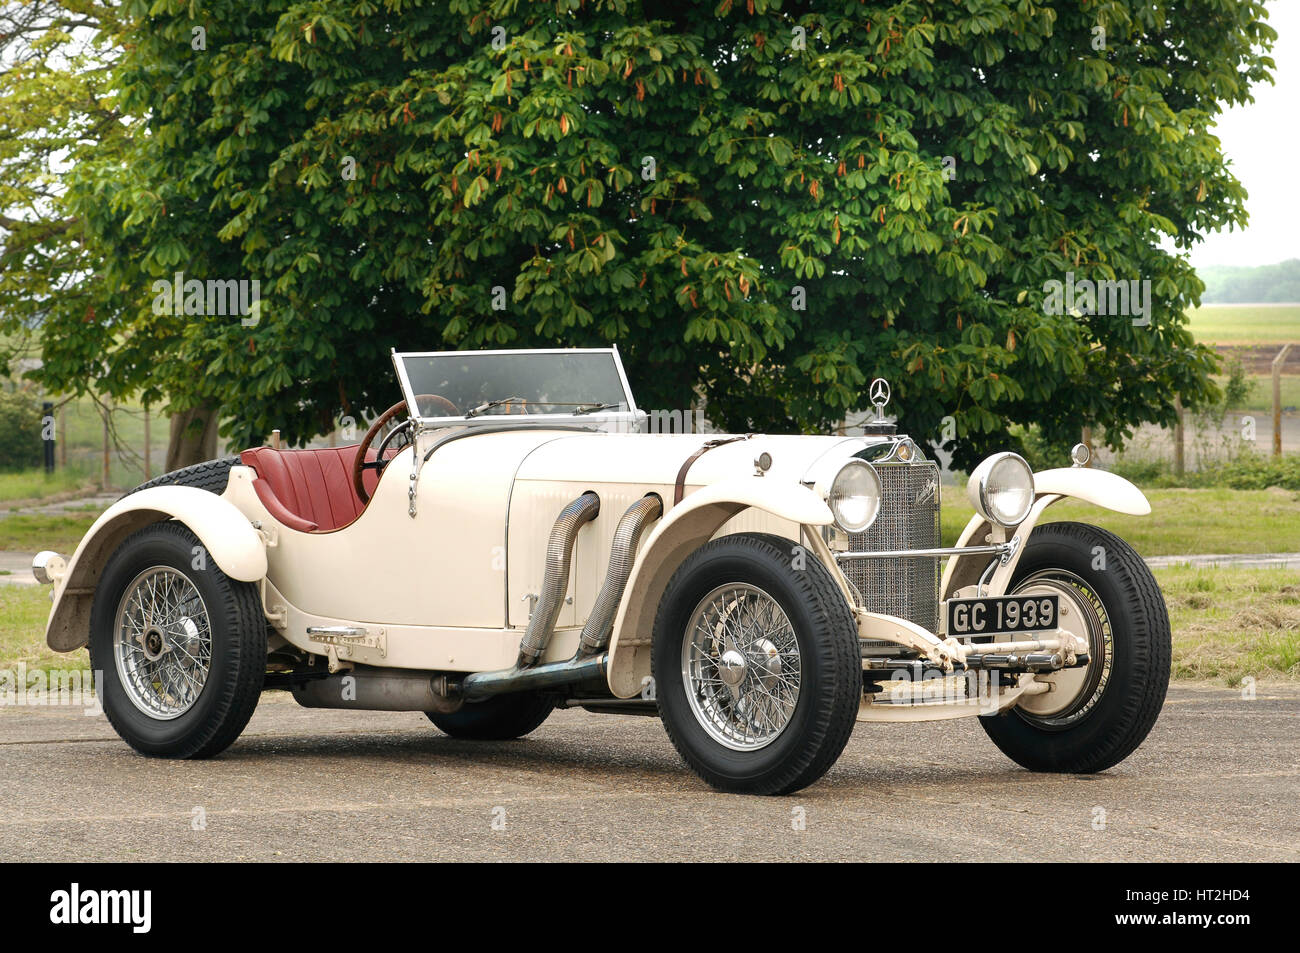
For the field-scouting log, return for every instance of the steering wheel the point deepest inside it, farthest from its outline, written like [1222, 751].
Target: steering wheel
[396, 439]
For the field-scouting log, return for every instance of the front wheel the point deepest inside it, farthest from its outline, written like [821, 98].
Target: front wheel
[1095, 716]
[756, 666]
[178, 646]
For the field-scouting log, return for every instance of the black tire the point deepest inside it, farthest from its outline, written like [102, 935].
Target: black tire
[212, 475]
[499, 718]
[830, 677]
[1128, 674]
[238, 648]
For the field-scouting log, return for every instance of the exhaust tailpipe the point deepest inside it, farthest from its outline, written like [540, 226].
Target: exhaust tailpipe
[559, 554]
[600, 624]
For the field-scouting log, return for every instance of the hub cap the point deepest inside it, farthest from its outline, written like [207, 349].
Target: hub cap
[162, 643]
[1076, 690]
[740, 667]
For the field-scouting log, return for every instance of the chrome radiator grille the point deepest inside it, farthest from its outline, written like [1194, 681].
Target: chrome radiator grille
[909, 519]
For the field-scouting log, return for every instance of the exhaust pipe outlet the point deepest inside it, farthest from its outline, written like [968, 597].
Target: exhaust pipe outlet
[565, 674]
[600, 624]
[376, 690]
[559, 554]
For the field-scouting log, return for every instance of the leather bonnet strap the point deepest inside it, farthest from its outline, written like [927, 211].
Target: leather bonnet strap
[680, 488]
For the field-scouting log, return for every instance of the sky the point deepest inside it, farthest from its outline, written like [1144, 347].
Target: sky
[1260, 140]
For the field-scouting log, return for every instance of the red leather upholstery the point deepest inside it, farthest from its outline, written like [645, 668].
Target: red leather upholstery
[308, 490]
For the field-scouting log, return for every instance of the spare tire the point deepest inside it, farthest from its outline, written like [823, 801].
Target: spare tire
[212, 476]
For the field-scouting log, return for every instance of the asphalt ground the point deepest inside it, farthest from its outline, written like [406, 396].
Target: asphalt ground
[1217, 780]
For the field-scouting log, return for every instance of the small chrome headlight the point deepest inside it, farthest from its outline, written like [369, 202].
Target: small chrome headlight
[854, 497]
[1002, 489]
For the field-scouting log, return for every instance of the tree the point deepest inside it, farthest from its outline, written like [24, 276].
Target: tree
[59, 124]
[764, 204]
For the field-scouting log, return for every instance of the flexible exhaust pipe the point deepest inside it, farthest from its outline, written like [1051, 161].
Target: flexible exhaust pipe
[600, 624]
[590, 663]
[559, 555]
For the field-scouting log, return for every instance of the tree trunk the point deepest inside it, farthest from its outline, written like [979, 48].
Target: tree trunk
[192, 439]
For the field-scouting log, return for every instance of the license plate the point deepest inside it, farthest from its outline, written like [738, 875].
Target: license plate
[1001, 615]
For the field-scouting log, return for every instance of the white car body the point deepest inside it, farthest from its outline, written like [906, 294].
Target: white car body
[443, 579]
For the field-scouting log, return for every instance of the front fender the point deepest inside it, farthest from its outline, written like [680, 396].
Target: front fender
[688, 526]
[1098, 487]
[225, 533]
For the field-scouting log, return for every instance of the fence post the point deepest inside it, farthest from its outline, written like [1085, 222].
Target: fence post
[1277, 398]
[148, 457]
[1179, 437]
[104, 473]
[47, 434]
[62, 439]
[1086, 437]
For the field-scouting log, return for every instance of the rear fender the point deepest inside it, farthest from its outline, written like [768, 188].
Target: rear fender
[226, 536]
[688, 526]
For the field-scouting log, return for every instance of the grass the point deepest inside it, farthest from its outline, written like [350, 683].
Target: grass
[1228, 624]
[1232, 623]
[1246, 324]
[1260, 398]
[23, 611]
[36, 485]
[1182, 521]
[32, 532]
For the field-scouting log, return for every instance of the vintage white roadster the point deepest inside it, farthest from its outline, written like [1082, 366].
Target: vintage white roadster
[508, 539]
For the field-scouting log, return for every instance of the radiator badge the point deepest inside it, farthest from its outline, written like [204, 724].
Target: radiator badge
[928, 491]
[879, 393]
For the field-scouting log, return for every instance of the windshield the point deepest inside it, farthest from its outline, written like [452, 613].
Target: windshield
[497, 383]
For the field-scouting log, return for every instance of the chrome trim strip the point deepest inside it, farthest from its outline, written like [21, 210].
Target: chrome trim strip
[998, 549]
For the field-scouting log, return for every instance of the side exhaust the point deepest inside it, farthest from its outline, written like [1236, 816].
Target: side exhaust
[559, 555]
[600, 624]
[567, 673]
[370, 689]
[590, 663]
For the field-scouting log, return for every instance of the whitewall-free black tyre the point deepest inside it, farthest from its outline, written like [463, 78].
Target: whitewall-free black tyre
[756, 665]
[179, 647]
[1094, 717]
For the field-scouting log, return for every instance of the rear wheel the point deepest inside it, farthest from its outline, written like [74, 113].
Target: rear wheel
[496, 719]
[756, 665]
[212, 475]
[179, 646]
[1096, 716]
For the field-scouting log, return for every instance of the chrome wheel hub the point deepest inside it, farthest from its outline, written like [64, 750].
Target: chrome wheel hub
[1076, 690]
[740, 667]
[162, 643]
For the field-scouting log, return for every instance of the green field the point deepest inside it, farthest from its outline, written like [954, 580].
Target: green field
[32, 532]
[23, 611]
[1246, 324]
[1182, 521]
[1260, 398]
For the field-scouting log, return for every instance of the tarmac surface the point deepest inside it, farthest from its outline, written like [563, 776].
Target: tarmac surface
[1217, 780]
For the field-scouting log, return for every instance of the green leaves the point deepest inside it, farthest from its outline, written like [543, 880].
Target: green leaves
[758, 223]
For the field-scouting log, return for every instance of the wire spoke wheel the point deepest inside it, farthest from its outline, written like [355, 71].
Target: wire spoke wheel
[162, 642]
[741, 666]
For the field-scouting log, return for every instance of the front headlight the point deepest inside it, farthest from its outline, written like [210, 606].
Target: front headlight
[854, 498]
[1002, 489]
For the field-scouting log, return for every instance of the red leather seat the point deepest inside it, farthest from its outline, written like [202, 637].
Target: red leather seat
[308, 490]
